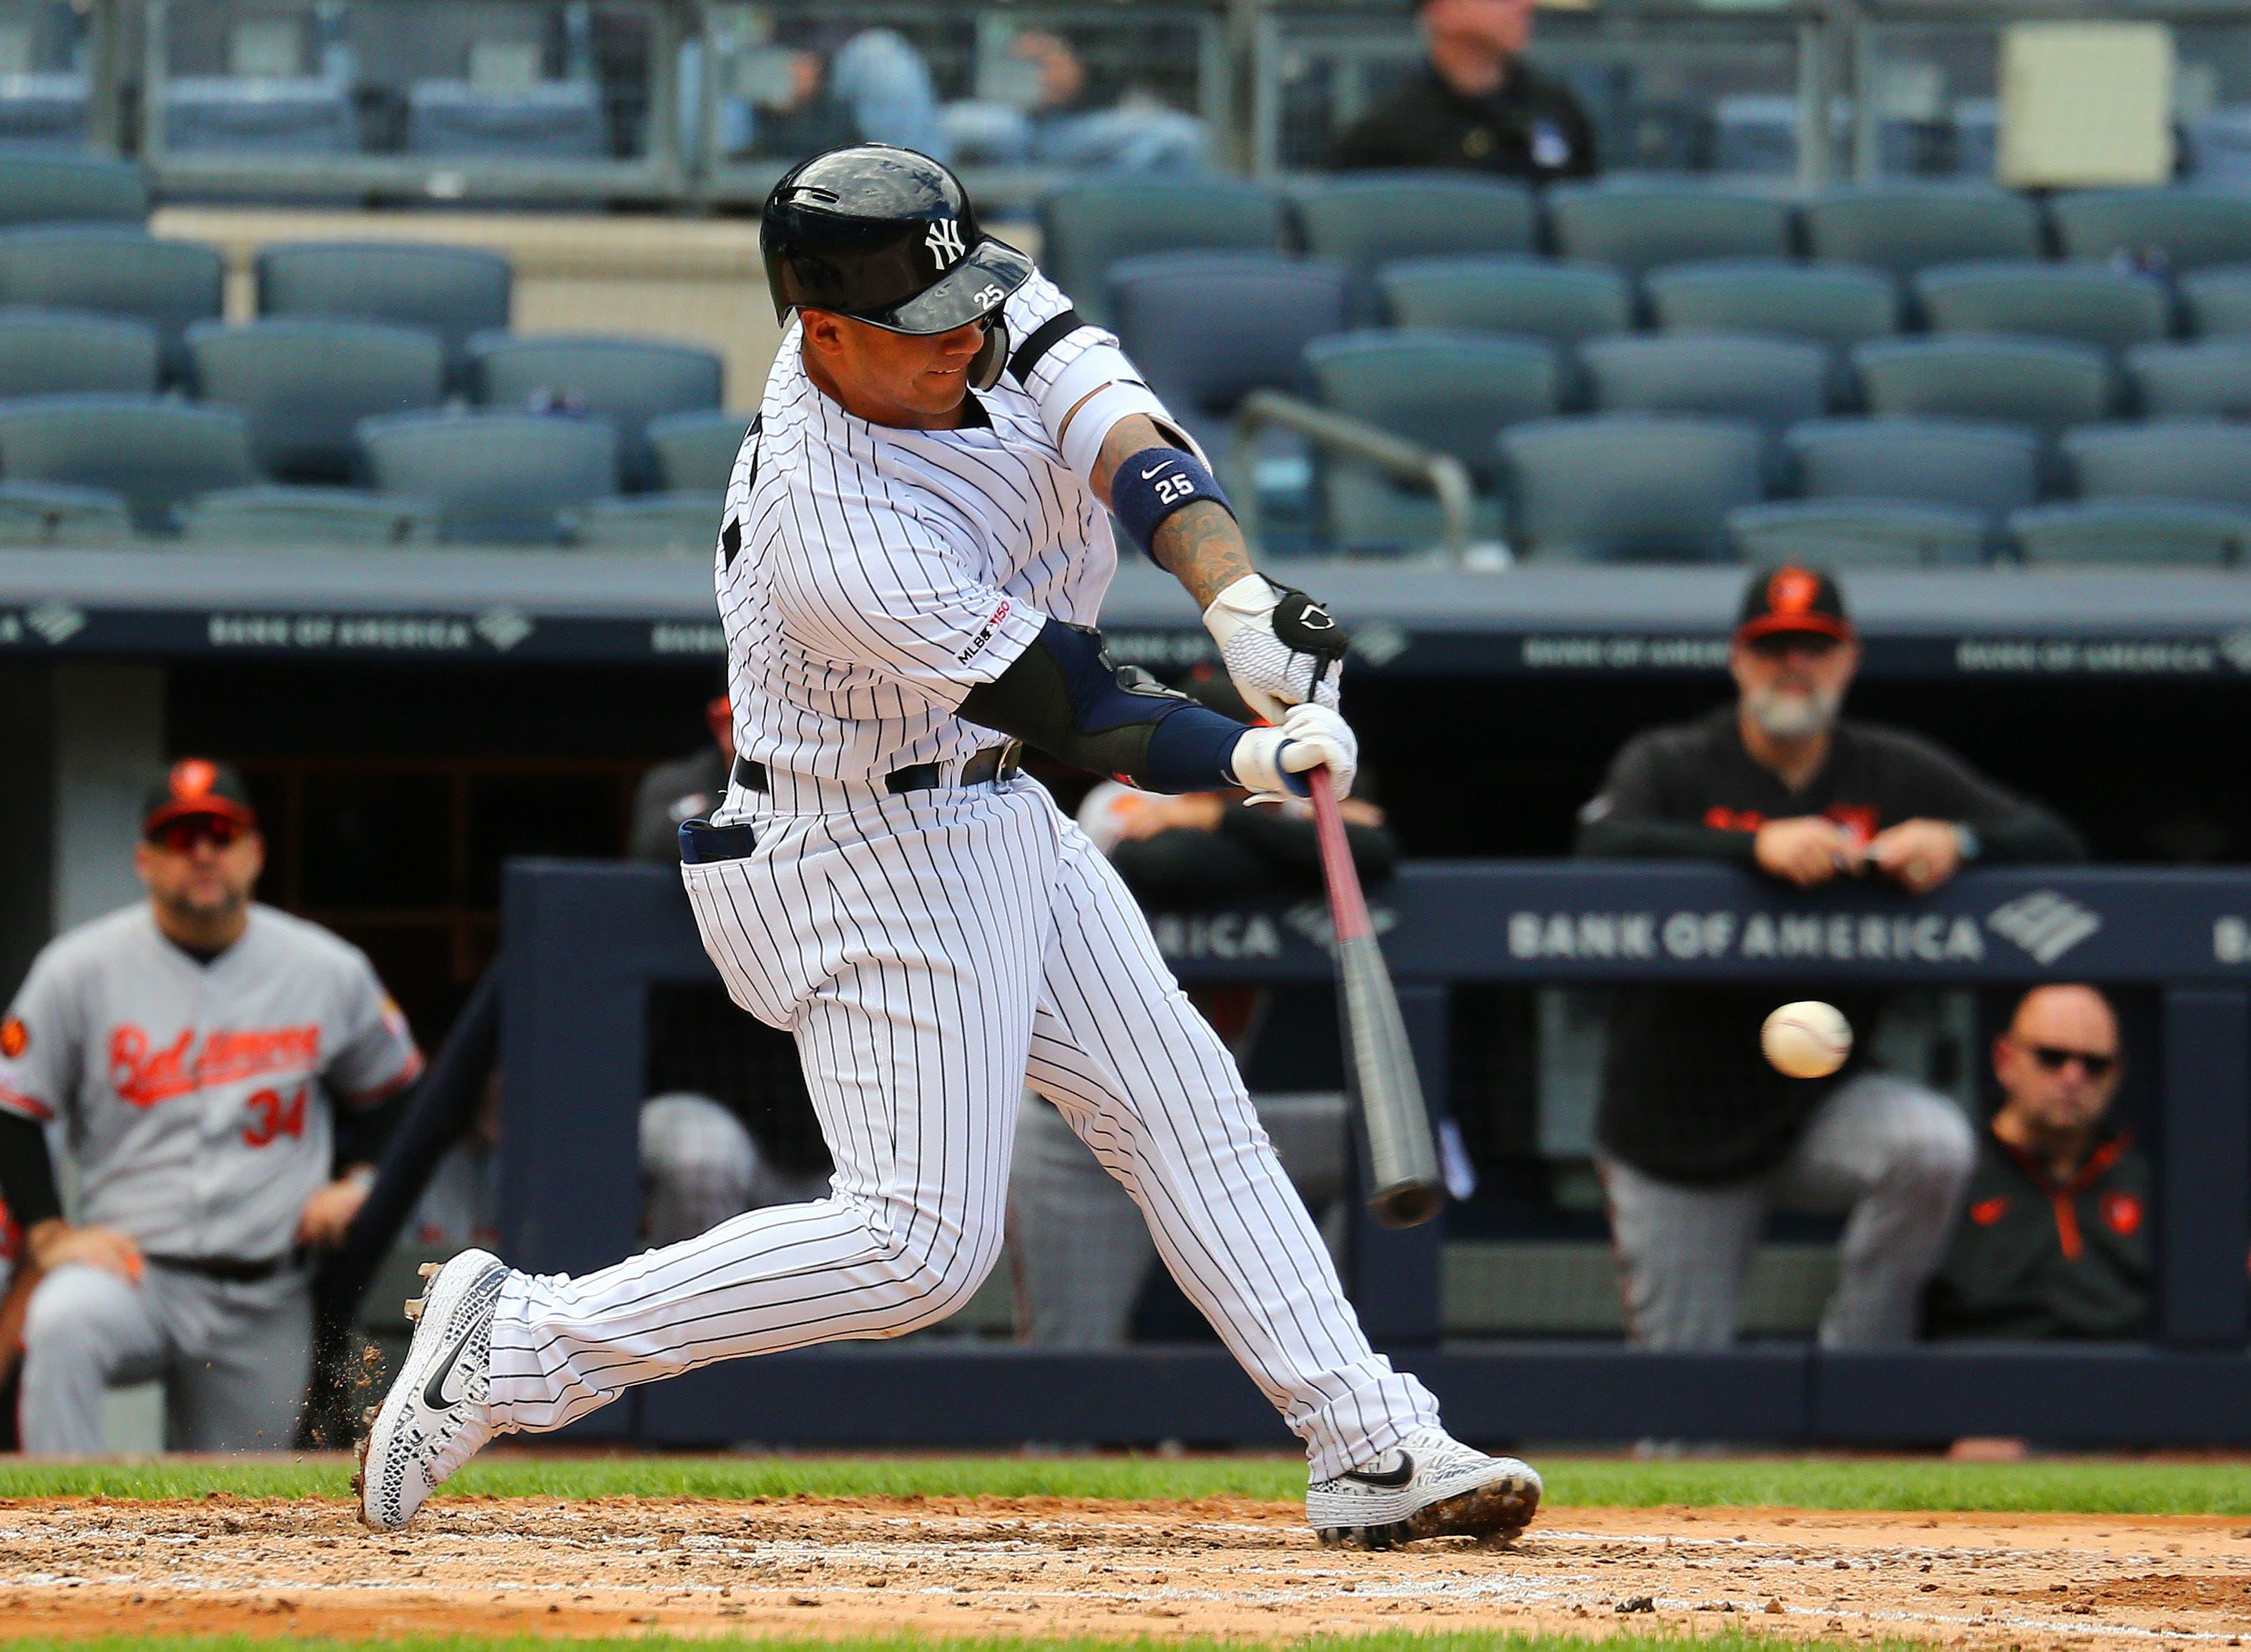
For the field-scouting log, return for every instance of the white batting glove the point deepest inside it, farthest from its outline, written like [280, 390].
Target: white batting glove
[1281, 648]
[1267, 761]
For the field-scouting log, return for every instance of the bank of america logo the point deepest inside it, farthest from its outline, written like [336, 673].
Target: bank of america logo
[2044, 924]
[58, 622]
[503, 627]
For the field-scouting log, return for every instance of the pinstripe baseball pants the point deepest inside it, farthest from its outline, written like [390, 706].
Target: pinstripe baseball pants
[930, 951]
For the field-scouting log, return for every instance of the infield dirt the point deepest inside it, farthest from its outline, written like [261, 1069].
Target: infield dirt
[1053, 1565]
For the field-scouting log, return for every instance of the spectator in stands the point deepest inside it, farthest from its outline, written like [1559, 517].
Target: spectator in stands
[1697, 1135]
[212, 1063]
[1070, 120]
[2054, 1240]
[684, 789]
[1475, 105]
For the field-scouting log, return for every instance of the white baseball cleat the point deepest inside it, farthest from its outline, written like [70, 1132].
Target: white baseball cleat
[435, 1416]
[1429, 1485]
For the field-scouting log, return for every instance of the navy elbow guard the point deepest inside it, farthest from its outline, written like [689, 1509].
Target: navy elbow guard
[1153, 484]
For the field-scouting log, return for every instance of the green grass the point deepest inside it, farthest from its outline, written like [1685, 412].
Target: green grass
[2088, 1485]
[1391, 1641]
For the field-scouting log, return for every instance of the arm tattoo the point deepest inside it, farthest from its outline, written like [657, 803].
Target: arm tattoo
[1203, 546]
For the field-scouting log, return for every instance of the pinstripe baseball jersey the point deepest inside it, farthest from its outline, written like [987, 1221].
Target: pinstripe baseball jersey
[196, 1096]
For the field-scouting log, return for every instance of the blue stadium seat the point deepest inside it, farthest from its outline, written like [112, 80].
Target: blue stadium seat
[1363, 220]
[156, 454]
[2089, 303]
[260, 115]
[2042, 382]
[1637, 226]
[2209, 379]
[496, 478]
[44, 112]
[304, 385]
[115, 271]
[2133, 532]
[1769, 381]
[1453, 392]
[628, 382]
[57, 514]
[696, 451]
[1628, 487]
[1833, 304]
[1990, 468]
[1858, 533]
[1909, 227]
[42, 189]
[547, 121]
[56, 352]
[455, 290]
[323, 516]
[683, 523]
[1210, 327]
[1562, 303]
[2165, 229]
[2218, 301]
[2206, 460]
[1088, 227]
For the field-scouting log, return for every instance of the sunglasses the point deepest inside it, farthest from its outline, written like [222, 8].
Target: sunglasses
[2053, 1059]
[180, 837]
[1780, 645]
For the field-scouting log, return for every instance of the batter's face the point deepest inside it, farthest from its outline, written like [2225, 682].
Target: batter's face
[200, 885]
[907, 380]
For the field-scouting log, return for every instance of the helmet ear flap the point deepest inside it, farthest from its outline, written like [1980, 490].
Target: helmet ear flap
[992, 357]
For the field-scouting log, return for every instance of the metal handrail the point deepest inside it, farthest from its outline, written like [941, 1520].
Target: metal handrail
[1444, 475]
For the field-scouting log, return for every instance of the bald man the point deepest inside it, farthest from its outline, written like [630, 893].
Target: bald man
[2054, 1239]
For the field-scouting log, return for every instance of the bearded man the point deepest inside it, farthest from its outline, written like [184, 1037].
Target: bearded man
[1698, 1136]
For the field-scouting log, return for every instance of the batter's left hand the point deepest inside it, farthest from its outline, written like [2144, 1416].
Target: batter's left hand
[1267, 761]
[1281, 648]
[330, 1212]
[1918, 855]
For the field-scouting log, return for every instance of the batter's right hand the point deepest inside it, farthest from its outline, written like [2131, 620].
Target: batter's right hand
[1267, 761]
[102, 1248]
[1804, 850]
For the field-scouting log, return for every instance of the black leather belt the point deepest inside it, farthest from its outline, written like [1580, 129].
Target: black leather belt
[230, 1270]
[993, 763]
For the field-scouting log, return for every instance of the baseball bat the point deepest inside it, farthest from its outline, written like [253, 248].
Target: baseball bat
[1380, 1067]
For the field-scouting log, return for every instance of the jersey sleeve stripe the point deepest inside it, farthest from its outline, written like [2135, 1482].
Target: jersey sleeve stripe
[24, 1106]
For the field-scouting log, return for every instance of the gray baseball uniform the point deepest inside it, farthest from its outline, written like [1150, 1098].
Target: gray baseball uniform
[195, 1098]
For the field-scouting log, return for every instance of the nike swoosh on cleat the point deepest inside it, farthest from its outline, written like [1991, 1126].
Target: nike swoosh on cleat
[1391, 1480]
[433, 1391]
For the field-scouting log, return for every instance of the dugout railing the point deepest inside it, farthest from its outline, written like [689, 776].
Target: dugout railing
[585, 945]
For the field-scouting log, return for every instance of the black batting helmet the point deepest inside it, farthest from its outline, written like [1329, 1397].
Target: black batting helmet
[887, 236]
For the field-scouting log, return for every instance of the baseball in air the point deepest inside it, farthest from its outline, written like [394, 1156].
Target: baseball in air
[1807, 1040]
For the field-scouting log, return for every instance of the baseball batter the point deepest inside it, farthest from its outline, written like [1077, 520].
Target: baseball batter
[190, 1050]
[912, 555]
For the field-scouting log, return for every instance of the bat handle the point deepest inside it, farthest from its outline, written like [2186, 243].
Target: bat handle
[1348, 905]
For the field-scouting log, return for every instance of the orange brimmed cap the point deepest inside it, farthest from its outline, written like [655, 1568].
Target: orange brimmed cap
[196, 786]
[1793, 598]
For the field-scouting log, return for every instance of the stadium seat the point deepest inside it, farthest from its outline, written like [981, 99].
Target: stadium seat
[456, 290]
[2041, 382]
[1638, 226]
[685, 524]
[1836, 305]
[304, 385]
[322, 516]
[1363, 220]
[696, 451]
[2090, 303]
[1858, 533]
[1563, 303]
[56, 352]
[496, 478]
[153, 453]
[1990, 468]
[2219, 302]
[546, 121]
[1770, 381]
[115, 271]
[1210, 327]
[1453, 392]
[1629, 487]
[1088, 227]
[2133, 532]
[45, 112]
[260, 115]
[2165, 229]
[1909, 227]
[55, 513]
[627, 381]
[2195, 459]
[2210, 379]
[45, 189]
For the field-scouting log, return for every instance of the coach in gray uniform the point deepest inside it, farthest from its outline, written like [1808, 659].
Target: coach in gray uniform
[190, 1051]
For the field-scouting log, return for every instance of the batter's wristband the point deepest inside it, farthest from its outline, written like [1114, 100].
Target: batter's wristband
[1154, 483]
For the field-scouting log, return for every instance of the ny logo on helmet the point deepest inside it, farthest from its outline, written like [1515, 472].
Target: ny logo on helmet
[945, 243]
